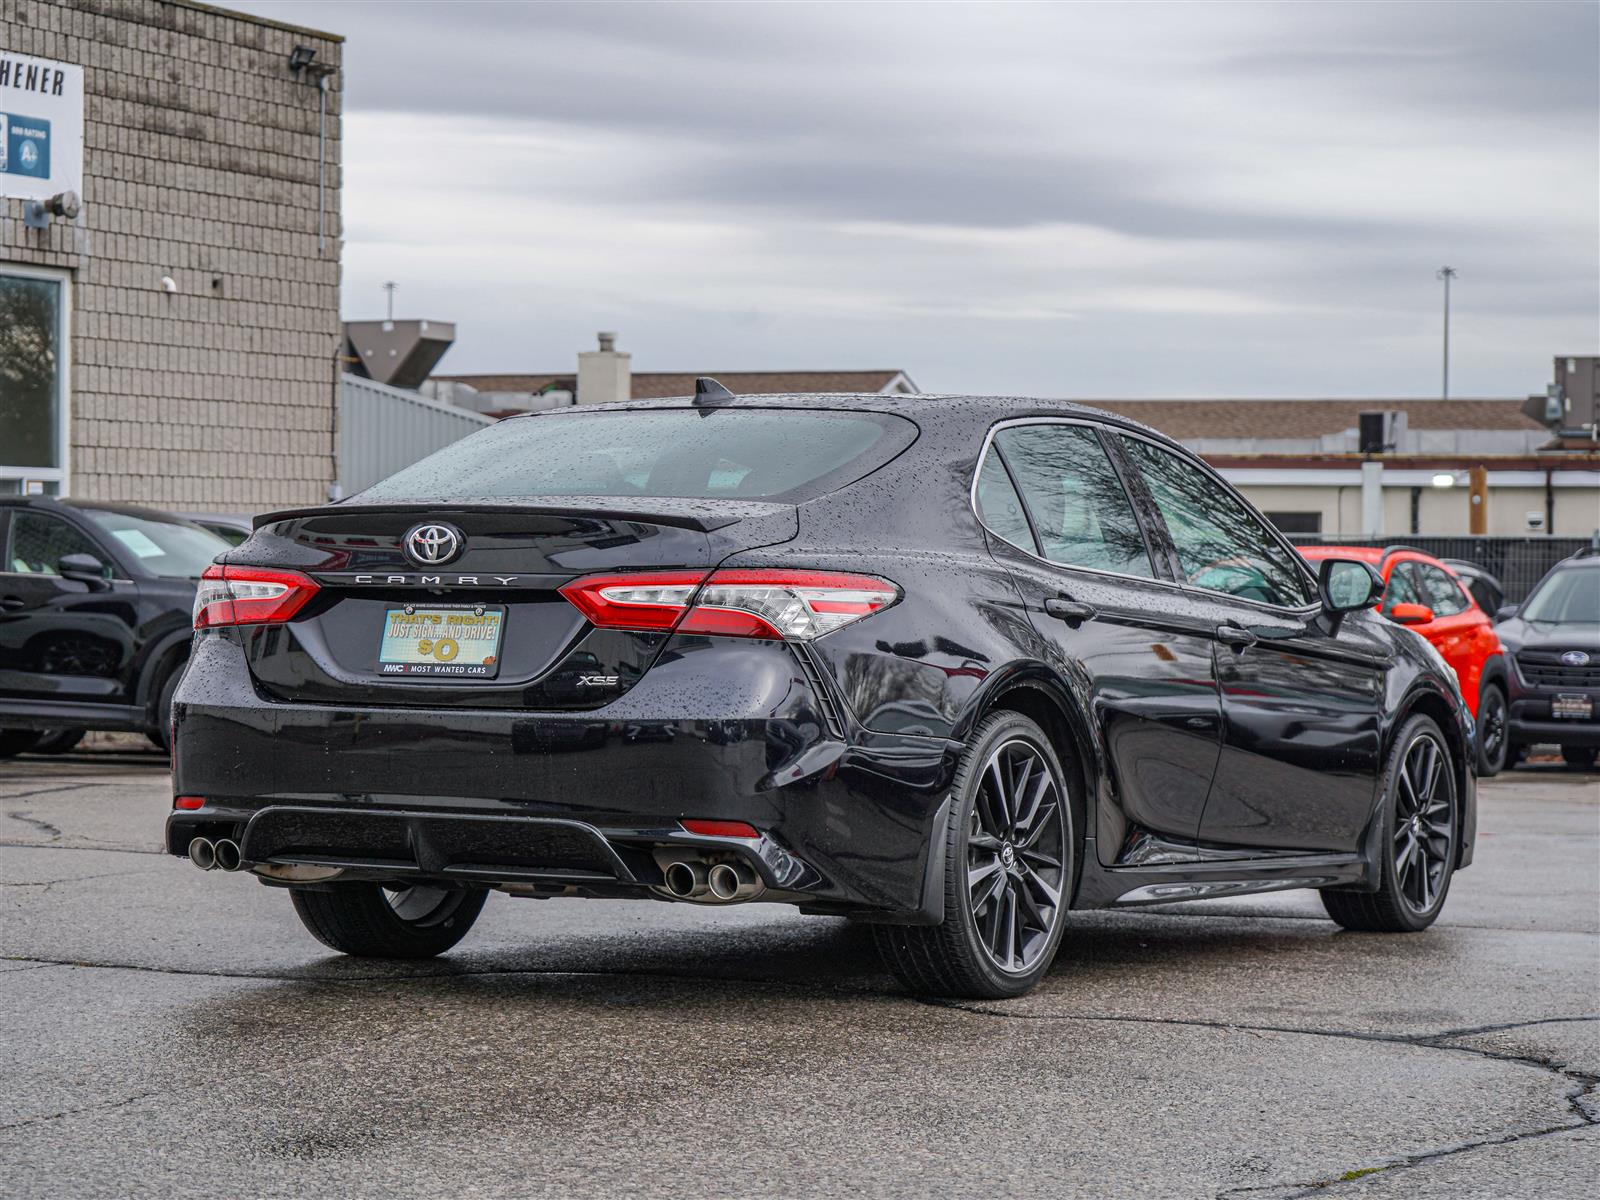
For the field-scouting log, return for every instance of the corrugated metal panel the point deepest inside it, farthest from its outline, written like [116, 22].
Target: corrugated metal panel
[382, 429]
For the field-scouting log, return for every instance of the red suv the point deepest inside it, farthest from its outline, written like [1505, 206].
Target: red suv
[1420, 591]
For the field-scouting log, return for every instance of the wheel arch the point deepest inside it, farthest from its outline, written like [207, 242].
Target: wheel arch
[1439, 708]
[166, 656]
[1036, 694]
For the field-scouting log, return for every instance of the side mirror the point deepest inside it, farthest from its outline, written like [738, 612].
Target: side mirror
[1505, 612]
[84, 568]
[1411, 614]
[1346, 585]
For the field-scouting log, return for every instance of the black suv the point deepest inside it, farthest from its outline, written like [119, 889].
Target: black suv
[95, 604]
[1553, 637]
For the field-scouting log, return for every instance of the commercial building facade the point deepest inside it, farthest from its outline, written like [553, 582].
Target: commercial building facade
[175, 342]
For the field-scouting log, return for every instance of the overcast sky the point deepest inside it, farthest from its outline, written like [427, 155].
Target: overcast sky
[1113, 200]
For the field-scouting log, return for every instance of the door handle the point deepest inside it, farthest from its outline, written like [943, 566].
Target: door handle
[12, 603]
[1235, 636]
[1073, 612]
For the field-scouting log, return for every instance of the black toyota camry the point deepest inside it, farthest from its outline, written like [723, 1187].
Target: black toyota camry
[951, 666]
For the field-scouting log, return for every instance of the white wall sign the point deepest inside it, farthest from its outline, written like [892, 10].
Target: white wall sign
[41, 127]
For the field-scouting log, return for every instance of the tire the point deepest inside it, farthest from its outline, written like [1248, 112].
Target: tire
[369, 921]
[158, 735]
[1421, 836]
[1493, 737]
[18, 741]
[1003, 944]
[59, 741]
[1578, 756]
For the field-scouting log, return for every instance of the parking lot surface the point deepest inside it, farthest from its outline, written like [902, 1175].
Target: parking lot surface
[174, 1033]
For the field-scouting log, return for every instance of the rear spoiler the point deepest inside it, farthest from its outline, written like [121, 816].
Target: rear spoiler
[702, 515]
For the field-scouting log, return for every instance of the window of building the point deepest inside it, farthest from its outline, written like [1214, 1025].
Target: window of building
[1296, 522]
[33, 380]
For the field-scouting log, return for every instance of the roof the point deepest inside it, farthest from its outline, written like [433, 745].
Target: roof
[1191, 419]
[652, 385]
[252, 19]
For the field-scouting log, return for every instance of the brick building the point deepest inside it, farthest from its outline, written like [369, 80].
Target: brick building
[175, 343]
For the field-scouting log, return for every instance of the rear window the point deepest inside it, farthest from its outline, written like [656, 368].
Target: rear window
[734, 453]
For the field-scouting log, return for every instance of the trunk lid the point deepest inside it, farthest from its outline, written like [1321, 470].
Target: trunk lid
[511, 561]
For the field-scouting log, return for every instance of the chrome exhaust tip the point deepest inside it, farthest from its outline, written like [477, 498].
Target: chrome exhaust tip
[225, 851]
[731, 881]
[686, 880]
[202, 853]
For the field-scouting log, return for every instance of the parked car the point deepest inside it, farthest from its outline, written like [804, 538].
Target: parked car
[1487, 591]
[1420, 591]
[232, 528]
[1554, 639]
[1127, 687]
[95, 605]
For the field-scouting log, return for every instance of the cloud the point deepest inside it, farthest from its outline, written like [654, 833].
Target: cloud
[1065, 199]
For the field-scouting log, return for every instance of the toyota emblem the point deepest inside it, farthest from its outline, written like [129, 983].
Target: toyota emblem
[1575, 658]
[433, 545]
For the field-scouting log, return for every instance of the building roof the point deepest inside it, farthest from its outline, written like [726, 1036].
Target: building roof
[651, 385]
[1192, 419]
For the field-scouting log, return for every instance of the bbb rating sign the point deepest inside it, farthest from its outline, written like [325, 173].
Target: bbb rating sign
[41, 127]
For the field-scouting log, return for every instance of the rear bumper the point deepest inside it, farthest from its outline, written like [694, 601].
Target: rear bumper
[718, 730]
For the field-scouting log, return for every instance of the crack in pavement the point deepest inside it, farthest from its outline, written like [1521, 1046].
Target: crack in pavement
[105, 849]
[1579, 1096]
[78, 1112]
[22, 815]
[47, 884]
[66, 787]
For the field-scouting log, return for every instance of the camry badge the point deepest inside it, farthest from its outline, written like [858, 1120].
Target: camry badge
[433, 545]
[1575, 658]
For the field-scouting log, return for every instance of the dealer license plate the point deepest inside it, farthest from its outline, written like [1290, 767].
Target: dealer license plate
[1576, 708]
[460, 640]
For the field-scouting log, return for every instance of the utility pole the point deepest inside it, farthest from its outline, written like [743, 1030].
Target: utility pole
[1446, 274]
[392, 285]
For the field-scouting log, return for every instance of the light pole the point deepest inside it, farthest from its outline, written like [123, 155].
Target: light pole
[1446, 274]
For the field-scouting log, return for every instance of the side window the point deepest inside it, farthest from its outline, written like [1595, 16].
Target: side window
[1444, 594]
[999, 506]
[40, 542]
[1401, 589]
[1222, 544]
[1082, 515]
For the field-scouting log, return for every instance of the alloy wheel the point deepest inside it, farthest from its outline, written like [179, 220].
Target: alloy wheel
[1424, 823]
[1016, 851]
[1493, 733]
[420, 905]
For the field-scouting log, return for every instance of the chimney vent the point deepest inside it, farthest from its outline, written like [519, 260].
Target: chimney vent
[608, 341]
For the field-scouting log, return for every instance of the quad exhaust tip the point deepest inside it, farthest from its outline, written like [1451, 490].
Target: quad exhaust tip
[732, 881]
[220, 855]
[717, 883]
[687, 880]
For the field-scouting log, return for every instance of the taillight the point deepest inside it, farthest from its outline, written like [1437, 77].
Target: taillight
[737, 603]
[249, 596]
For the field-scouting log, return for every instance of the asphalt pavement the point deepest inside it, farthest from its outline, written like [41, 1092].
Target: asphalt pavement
[165, 1032]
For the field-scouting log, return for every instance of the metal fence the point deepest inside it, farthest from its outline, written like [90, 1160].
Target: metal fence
[1517, 562]
[382, 429]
